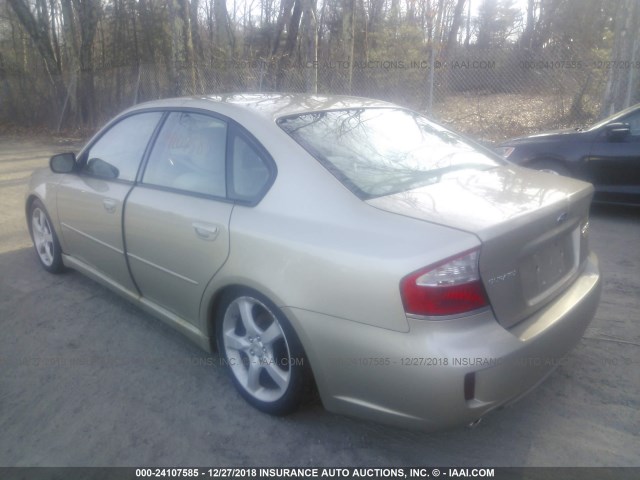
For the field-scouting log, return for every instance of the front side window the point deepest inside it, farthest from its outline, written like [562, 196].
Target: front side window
[189, 154]
[382, 151]
[634, 123]
[117, 154]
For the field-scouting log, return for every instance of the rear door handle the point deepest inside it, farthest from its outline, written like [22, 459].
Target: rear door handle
[205, 231]
[109, 205]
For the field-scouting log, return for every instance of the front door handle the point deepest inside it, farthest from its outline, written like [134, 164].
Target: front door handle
[205, 231]
[109, 205]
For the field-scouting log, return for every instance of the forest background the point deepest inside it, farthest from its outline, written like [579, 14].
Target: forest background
[490, 68]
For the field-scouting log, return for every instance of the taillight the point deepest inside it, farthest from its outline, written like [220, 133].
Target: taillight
[450, 287]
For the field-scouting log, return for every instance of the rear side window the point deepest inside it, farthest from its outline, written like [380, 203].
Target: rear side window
[250, 173]
[118, 152]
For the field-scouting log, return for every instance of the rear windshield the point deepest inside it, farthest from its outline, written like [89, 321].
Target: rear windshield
[382, 151]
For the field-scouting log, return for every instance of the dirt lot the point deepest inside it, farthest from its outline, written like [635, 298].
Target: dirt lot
[86, 379]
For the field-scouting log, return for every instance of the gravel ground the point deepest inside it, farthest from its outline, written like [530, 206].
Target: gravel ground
[87, 379]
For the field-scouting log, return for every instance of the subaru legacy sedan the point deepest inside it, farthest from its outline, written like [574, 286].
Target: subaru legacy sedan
[344, 244]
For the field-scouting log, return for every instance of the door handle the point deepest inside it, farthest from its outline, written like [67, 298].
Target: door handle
[205, 231]
[109, 205]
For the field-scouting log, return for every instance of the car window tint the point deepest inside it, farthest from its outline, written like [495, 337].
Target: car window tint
[117, 154]
[189, 155]
[250, 171]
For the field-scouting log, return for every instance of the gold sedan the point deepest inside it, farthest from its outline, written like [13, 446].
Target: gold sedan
[414, 277]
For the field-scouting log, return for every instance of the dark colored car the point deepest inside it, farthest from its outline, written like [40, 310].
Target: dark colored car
[606, 154]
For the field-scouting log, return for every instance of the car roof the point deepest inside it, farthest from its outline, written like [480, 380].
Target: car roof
[269, 105]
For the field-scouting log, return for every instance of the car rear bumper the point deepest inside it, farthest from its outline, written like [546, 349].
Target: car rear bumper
[442, 373]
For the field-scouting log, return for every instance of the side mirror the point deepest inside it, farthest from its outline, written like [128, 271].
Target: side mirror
[618, 131]
[63, 163]
[100, 168]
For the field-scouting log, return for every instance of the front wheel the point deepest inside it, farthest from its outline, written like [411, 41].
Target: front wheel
[45, 240]
[551, 166]
[263, 353]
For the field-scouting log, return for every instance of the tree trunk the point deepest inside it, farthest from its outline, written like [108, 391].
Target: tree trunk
[224, 35]
[196, 40]
[39, 35]
[627, 24]
[187, 53]
[455, 26]
[88, 14]
[11, 110]
[348, 37]
[292, 30]
[283, 19]
[527, 36]
[311, 47]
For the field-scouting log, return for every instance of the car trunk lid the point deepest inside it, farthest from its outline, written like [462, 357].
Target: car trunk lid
[531, 225]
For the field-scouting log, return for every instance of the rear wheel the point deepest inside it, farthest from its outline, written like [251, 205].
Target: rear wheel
[263, 353]
[45, 240]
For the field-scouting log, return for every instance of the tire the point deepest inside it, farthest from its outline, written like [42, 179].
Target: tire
[264, 355]
[551, 166]
[45, 240]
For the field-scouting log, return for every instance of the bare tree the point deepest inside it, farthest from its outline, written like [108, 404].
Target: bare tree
[88, 14]
[311, 45]
[621, 85]
[36, 26]
[455, 25]
[496, 19]
[225, 40]
[38, 30]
